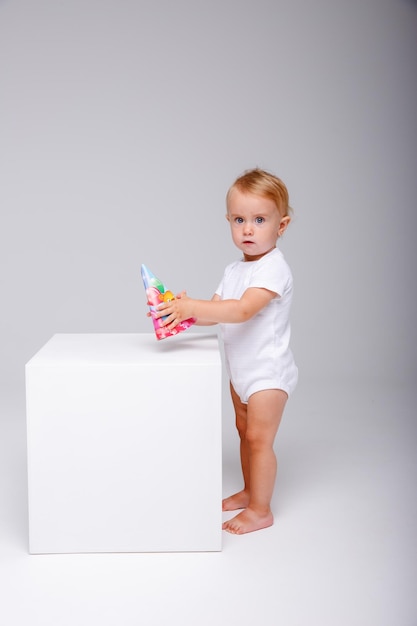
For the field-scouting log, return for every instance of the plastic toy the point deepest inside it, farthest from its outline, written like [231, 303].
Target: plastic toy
[156, 293]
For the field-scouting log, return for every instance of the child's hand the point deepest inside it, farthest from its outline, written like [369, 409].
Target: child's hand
[175, 310]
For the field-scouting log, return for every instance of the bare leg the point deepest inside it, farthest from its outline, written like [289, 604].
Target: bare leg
[264, 413]
[240, 500]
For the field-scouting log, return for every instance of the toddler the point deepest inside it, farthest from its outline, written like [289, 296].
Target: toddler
[252, 306]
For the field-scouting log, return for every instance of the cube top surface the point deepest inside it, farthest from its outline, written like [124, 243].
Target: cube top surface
[128, 349]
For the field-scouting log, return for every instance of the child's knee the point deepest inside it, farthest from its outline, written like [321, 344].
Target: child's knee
[254, 439]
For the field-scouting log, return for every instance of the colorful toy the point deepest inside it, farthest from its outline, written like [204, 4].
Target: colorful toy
[156, 293]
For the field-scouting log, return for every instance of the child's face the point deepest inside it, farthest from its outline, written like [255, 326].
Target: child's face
[255, 223]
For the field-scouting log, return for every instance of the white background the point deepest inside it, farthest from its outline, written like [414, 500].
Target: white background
[122, 125]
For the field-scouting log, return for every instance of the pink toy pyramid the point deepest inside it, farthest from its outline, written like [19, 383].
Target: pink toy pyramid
[156, 293]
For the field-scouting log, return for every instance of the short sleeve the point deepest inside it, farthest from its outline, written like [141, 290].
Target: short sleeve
[219, 290]
[272, 273]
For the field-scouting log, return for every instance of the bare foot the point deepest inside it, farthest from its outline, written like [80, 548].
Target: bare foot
[239, 500]
[247, 521]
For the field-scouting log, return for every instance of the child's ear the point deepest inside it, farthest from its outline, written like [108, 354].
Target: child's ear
[283, 225]
[227, 217]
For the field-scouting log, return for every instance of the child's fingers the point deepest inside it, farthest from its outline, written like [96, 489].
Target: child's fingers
[170, 321]
[164, 310]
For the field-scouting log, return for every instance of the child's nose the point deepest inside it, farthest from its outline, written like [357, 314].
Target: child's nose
[247, 228]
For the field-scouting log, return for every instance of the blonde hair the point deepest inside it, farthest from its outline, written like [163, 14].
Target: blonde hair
[262, 183]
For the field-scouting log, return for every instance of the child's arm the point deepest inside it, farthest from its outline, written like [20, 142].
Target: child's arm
[201, 322]
[216, 310]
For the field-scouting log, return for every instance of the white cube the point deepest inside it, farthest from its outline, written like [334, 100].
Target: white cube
[124, 444]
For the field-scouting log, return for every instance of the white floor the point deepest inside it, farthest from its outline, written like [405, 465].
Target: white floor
[341, 553]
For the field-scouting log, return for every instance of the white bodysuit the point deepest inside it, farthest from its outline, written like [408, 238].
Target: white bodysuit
[257, 352]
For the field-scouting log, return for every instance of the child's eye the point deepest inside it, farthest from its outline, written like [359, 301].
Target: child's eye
[259, 220]
[239, 220]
